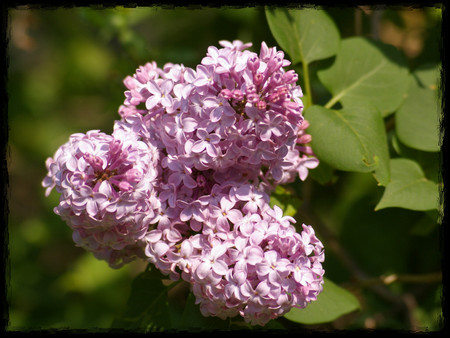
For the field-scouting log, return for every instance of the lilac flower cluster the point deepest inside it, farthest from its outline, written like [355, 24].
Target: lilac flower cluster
[241, 256]
[237, 111]
[184, 182]
[106, 184]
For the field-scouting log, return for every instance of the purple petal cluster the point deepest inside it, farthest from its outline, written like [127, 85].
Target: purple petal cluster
[237, 110]
[241, 256]
[184, 182]
[107, 192]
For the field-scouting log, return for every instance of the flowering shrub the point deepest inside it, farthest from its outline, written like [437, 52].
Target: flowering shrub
[184, 182]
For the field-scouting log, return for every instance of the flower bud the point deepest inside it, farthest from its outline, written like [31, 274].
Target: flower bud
[226, 94]
[253, 64]
[133, 175]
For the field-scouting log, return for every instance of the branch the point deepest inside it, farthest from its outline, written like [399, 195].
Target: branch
[417, 279]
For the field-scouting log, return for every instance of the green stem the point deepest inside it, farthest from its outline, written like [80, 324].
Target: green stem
[307, 84]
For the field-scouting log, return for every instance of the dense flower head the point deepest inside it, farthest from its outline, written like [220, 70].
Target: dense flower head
[241, 256]
[184, 181]
[237, 109]
[106, 184]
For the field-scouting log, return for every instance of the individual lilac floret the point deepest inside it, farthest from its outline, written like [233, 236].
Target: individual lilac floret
[106, 186]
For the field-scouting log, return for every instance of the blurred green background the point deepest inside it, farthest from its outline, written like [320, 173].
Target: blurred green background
[66, 68]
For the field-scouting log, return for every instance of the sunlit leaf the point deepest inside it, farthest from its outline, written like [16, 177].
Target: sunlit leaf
[428, 75]
[332, 303]
[428, 161]
[409, 188]
[351, 139]
[367, 72]
[306, 34]
[417, 120]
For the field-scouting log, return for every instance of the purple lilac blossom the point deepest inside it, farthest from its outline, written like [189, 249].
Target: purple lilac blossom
[253, 264]
[238, 109]
[184, 182]
[107, 193]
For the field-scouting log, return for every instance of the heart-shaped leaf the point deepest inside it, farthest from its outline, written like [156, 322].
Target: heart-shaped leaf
[351, 139]
[332, 303]
[366, 72]
[409, 188]
[417, 120]
[306, 34]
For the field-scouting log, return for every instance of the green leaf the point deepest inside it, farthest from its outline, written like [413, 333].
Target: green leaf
[417, 121]
[286, 200]
[351, 139]
[305, 34]
[147, 307]
[428, 75]
[332, 303]
[366, 72]
[428, 161]
[409, 188]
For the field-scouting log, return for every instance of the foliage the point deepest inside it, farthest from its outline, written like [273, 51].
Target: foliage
[333, 303]
[374, 118]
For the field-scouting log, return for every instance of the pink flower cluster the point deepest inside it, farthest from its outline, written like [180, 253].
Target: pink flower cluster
[241, 256]
[237, 111]
[107, 190]
[184, 182]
